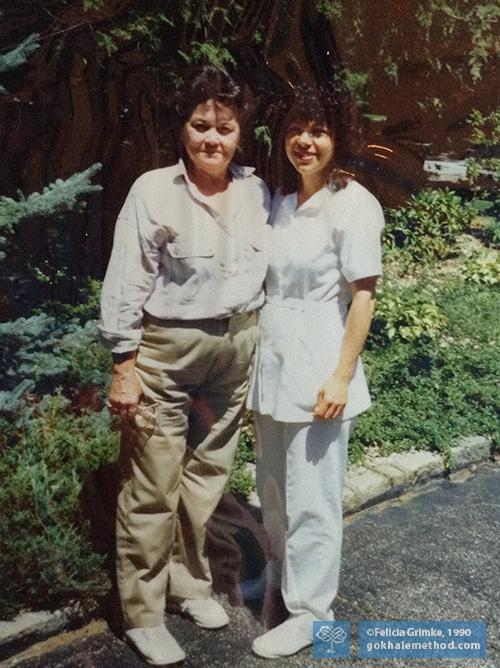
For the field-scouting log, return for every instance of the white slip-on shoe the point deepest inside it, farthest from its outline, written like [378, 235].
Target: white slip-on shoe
[156, 645]
[205, 613]
[286, 639]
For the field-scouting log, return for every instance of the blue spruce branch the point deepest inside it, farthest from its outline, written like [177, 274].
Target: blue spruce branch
[20, 55]
[56, 198]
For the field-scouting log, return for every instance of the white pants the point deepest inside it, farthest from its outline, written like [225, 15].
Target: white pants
[300, 476]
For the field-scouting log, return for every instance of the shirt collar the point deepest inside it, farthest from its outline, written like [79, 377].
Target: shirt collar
[237, 171]
[312, 206]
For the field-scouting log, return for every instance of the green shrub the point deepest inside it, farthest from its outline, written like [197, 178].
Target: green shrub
[486, 227]
[485, 131]
[429, 392]
[241, 481]
[428, 226]
[492, 231]
[482, 267]
[46, 555]
[86, 307]
[44, 352]
[408, 315]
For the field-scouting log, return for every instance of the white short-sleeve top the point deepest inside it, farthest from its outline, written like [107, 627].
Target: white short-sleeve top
[315, 251]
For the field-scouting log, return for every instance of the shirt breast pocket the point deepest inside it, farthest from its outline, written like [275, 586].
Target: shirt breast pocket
[190, 265]
[192, 248]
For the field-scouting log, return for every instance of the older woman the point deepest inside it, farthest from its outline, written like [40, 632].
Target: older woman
[178, 310]
[308, 382]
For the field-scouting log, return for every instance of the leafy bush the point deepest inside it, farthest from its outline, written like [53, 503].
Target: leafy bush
[55, 199]
[87, 306]
[43, 352]
[408, 315]
[428, 226]
[492, 229]
[486, 227]
[481, 267]
[241, 481]
[485, 131]
[46, 554]
[27, 351]
[429, 392]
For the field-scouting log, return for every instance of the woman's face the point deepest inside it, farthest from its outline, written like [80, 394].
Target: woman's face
[309, 146]
[211, 136]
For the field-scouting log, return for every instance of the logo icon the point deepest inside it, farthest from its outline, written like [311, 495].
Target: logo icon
[331, 640]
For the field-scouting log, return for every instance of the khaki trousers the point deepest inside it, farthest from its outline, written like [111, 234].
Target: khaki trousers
[177, 454]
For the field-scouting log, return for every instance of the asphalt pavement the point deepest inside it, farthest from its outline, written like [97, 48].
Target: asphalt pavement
[432, 554]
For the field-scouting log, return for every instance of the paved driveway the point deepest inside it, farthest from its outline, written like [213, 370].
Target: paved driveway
[432, 554]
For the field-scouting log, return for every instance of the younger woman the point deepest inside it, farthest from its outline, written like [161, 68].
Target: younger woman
[308, 382]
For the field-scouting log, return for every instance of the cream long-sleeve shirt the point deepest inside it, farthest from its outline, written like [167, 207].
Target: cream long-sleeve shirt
[179, 254]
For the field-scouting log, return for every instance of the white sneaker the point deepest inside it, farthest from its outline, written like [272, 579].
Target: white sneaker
[156, 645]
[286, 639]
[205, 613]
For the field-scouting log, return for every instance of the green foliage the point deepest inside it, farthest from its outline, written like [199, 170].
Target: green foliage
[472, 21]
[20, 55]
[428, 226]
[57, 198]
[140, 27]
[428, 393]
[482, 18]
[407, 315]
[209, 32]
[60, 196]
[485, 131]
[263, 135]
[241, 481]
[454, 39]
[357, 83]
[375, 118]
[204, 32]
[202, 16]
[482, 267]
[492, 232]
[206, 52]
[89, 5]
[26, 350]
[392, 70]
[42, 353]
[46, 555]
[87, 306]
[332, 9]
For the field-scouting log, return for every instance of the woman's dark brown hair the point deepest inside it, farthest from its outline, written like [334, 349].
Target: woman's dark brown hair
[208, 83]
[322, 106]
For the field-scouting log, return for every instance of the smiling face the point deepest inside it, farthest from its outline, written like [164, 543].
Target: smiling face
[211, 136]
[309, 147]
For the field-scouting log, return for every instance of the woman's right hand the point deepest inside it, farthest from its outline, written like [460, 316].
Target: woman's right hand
[125, 390]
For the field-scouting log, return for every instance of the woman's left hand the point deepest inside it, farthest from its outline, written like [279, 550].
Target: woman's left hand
[332, 398]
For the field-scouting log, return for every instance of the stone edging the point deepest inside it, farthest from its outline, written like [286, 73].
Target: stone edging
[29, 628]
[386, 477]
[383, 478]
